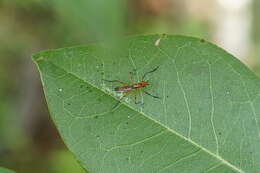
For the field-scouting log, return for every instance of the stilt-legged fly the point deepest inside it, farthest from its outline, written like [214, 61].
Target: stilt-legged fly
[126, 88]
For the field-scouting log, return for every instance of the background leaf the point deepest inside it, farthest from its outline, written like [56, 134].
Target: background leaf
[108, 23]
[4, 170]
[207, 119]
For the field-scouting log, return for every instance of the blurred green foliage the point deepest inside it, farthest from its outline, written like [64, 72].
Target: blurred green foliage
[101, 18]
[4, 170]
[64, 162]
[256, 35]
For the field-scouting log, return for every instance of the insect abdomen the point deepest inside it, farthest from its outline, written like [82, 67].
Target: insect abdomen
[124, 89]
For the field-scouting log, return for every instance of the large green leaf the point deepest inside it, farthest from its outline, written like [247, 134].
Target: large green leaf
[206, 120]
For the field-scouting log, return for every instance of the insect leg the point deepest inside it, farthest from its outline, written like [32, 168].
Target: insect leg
[150, 94]
[136, 102]
[120, 100]
[149, 72]
[116, 104]
[131, 77]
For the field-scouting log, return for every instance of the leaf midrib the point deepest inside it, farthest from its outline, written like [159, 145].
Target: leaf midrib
[132, 108]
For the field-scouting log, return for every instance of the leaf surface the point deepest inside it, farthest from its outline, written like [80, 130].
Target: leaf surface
[206, 120]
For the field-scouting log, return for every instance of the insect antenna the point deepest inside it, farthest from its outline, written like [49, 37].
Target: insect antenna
[151, 94]
[149, 72]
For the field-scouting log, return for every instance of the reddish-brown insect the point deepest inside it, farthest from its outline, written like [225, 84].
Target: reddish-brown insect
[126, 89]
[129, 88]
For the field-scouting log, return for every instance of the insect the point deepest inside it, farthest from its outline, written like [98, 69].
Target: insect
[126, 88]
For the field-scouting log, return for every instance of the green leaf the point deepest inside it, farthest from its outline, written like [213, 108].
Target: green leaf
[4, 170]
[206, 120]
